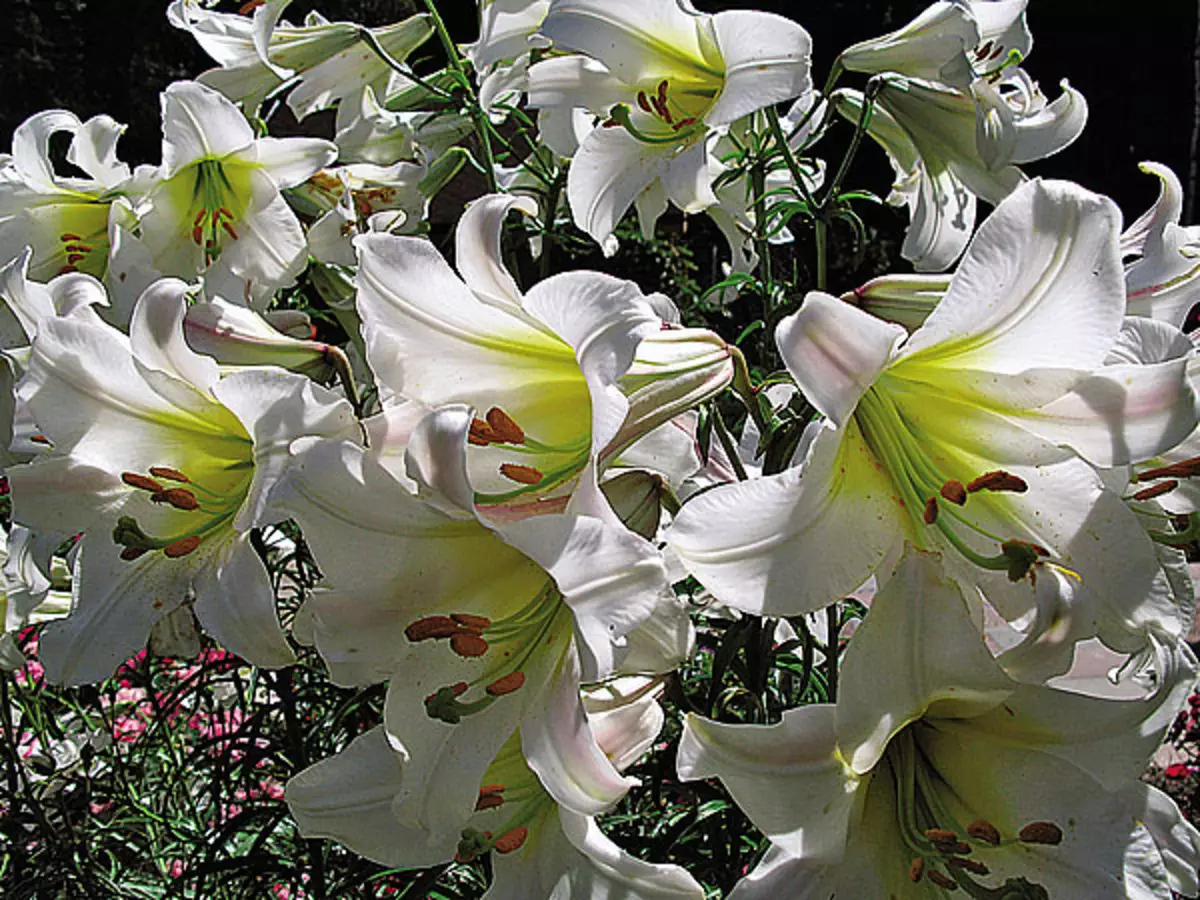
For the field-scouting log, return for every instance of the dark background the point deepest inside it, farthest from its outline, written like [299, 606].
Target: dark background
[1134, 62]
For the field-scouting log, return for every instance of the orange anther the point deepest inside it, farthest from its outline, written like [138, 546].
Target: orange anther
[503, 427]
[68, 236]
[971, 865]
[468, 644]
[133, 479]
[998, 480]
[916, 870]
[983, 830]
[199, 218]
[946, 884]
[197, 235]
[1041, 833]
[506, 684]
[180, 498]
[521, 474]
[954, 492]
[131, 553]
[931, 510]
[941, 836]
[169, 473]
[488, 801]
[229, 230]
[481, 433]
[182, 547]
[73, 258]
[467, 620]
[40, 439]
[434, 627]
[1156, 490]
[643, 102]
[511, 841]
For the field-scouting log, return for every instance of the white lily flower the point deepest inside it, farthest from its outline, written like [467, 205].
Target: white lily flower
[216, 208]
[71, 224]
[569, 374]
[956, 117]
[1164, 281]
[28, 595]
[957, 436]
[471, 622]
[331, 61]
[164, 467]
[945, 775]
[542, 846]
[662, 76]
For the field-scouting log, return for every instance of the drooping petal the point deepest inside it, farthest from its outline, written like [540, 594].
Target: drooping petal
[835, 352]
[348, 798]
[777, 545]
[477, 253]
[156, 335]
[788, 778]
[608, 173]
[291, 161]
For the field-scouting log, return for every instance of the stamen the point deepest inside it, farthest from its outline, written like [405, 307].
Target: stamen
[180, 498]
[506, 684]
[983, 830]
[68, 236]
[40, 438]
[182, 547]
[435, 627]
[1156, 490]
[954, 492]
[480, 433]
[503, 427]
[931, 510]
[229, 230]
[490, 797]
[941, 836]
[916, 870]
[1186, 468]
[1041, 833]
[169, 473]
[133, 479]
[971, 865]
[643, 102]
[511, 841]
[129, 554]
[998, 480]
[468, 645]
[1021, 556]
[521, 474]
[468, 620]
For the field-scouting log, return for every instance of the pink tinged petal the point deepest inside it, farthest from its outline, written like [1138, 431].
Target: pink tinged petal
[560, 748]
[1144, 237]
[116, 605]
[156, 335]
[788, 778]
[477, 248]
[436, 460]
[235, 603]
[603, 319]
[767, 60]
[637, 41]
[835, 352]
[199, 123]
[921, 632]
[291, 161]
[627, 731]
[790, 543]
[348, 798]
[277, 407]
[607, 174]
[1121, 414]
[1047, 255]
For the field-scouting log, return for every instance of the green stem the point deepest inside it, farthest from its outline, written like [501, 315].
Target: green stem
[789, 158]
[373, 42]
[833, 619]
[474, 110]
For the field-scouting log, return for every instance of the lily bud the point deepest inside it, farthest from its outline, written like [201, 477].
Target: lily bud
[906, 300]
[238, 336]
[674, 370]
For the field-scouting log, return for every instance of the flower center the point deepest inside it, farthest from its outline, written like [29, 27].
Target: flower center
[208, 511]
[216, 205]
[83, 245]
[510, 795]
[935, 495]
[667, 114]
[556, 463]
[506, 646]
[941, 847]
